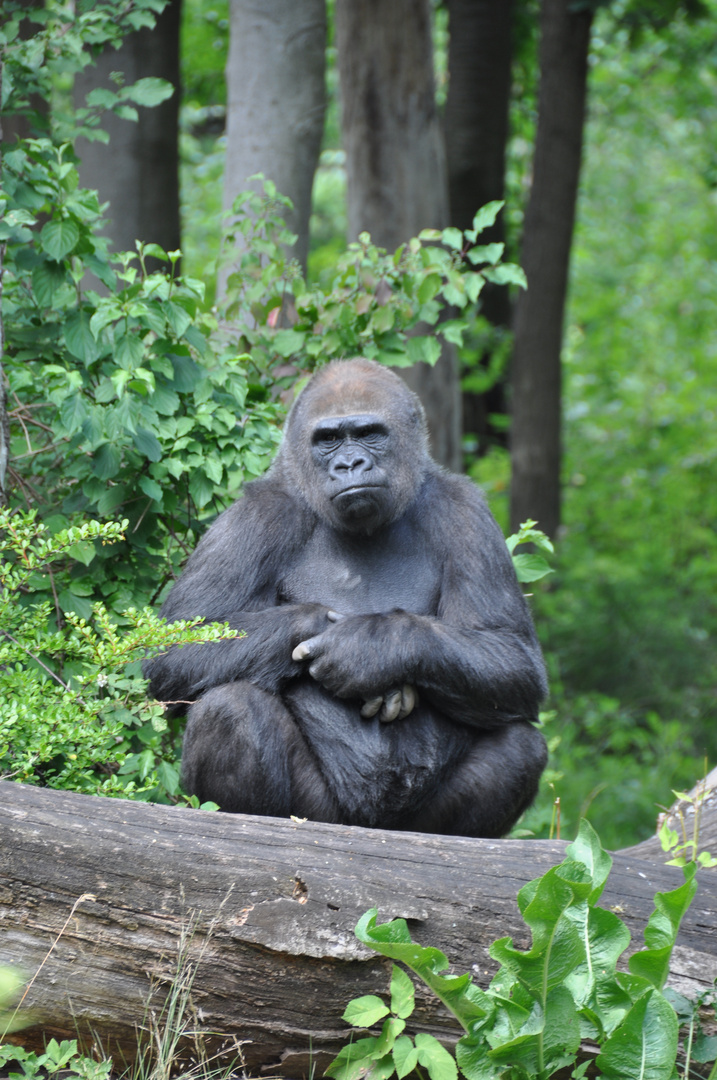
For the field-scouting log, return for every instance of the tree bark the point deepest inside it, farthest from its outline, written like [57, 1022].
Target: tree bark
[271, 905]
[4, 418]
[276, 100]
[549, 220]
[476, 128]
[395, 162]
[138, 170]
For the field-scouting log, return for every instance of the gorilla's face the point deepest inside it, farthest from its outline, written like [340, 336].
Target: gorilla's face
[355, 446]
[350, 454]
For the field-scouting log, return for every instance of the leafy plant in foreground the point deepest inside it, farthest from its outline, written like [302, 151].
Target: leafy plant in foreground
[544, 1001]
[73, 707]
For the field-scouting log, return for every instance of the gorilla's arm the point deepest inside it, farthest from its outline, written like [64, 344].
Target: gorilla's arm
[477, 660]
[232, 577]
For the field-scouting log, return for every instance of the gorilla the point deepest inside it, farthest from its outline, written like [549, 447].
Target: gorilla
[390, 675]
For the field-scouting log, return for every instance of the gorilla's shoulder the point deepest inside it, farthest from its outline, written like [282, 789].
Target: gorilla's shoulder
[266, 510]
[451, 493]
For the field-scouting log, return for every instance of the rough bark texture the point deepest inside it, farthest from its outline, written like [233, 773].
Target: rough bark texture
[137, 171]
[395, 162]
[549, 220]
[276, 101]
[282, 960]
[476, 129]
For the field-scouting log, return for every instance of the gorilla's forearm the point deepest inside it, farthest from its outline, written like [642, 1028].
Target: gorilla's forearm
[482, 677]
[262, 657]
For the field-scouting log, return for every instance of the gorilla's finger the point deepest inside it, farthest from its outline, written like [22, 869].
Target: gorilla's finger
[334, 616]
[371, 707]
[409, 700]
[303, 650]
[391, 706]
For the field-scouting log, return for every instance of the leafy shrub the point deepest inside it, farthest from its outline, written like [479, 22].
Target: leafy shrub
[73, 707]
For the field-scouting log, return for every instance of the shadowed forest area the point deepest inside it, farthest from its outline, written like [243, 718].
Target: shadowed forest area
[587, 402]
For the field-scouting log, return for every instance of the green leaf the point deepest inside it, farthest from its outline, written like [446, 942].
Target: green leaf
[428, 288]
[486, 215]
[486, 253]
[402, 993]
[365, 1011]
[506, 274]
[59, 238]
[644, 1046]
[147, 444]
[653, 962]
[531, 567]
[73, 413]
[200, 488]
[405, 1056]
[79, 338]
[84, 552]
[177, 317]
[150, 91]
[151, 488]
[354, 1060]
[68, 601]
[47, 278]
[435, 1058]
[106, 461]
[453, 238]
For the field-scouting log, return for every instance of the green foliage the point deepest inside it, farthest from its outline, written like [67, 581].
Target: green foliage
[373, 300]
[122, 404]
[59, 1058]
[531, 567]
[543, 1001]
[73, 707]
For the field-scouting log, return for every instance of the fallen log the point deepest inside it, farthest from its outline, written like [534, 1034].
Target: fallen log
[265, 908]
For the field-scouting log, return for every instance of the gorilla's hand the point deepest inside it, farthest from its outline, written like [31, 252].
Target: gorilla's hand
[393, 705]
[348, 662]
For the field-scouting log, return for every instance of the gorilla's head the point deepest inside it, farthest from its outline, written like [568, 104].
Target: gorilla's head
[356, 445]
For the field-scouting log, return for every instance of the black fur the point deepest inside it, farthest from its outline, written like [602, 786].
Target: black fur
[379, 571]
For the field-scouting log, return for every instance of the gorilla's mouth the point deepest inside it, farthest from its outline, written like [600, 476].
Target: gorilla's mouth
[358, 489]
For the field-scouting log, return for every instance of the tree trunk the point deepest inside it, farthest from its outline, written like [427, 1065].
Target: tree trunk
[276, 101]
[270, 907]
[550, 216]
[138, 170]
[4, 418]
[476, 128]
[395, 162]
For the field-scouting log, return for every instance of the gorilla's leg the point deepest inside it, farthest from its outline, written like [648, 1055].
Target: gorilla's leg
[485, 793]
[243, 750]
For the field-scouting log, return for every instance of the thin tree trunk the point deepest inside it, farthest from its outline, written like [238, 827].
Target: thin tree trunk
[4, 419]
[476, 128]
[276, 100]
[395, 161]
[547, 237]
[138, 170]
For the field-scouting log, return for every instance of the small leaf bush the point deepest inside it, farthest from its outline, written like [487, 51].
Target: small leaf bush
[73, 706]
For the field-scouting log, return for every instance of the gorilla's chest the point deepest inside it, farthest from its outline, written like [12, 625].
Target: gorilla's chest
[365, 574]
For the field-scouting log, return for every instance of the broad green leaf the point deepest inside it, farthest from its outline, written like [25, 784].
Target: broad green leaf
[73, 413]
[129, 351]
[486, 253]
[354, 1060]
[428, 288]
[84, 552]
[365, 1011]
[147, 444]
[531, 567]
[149, 91]
[168, 776]
[177, 317]
[402, 993]
[79, 338]
[47, 278]
[151, 488]
[435, 1058]
[106, 461]
[506, 274]
[59, 238]
[200, 488]
[644, 1045]
[68, 601]
[557, 947]
[653, 962]
[453, 238]
[405, 1056]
